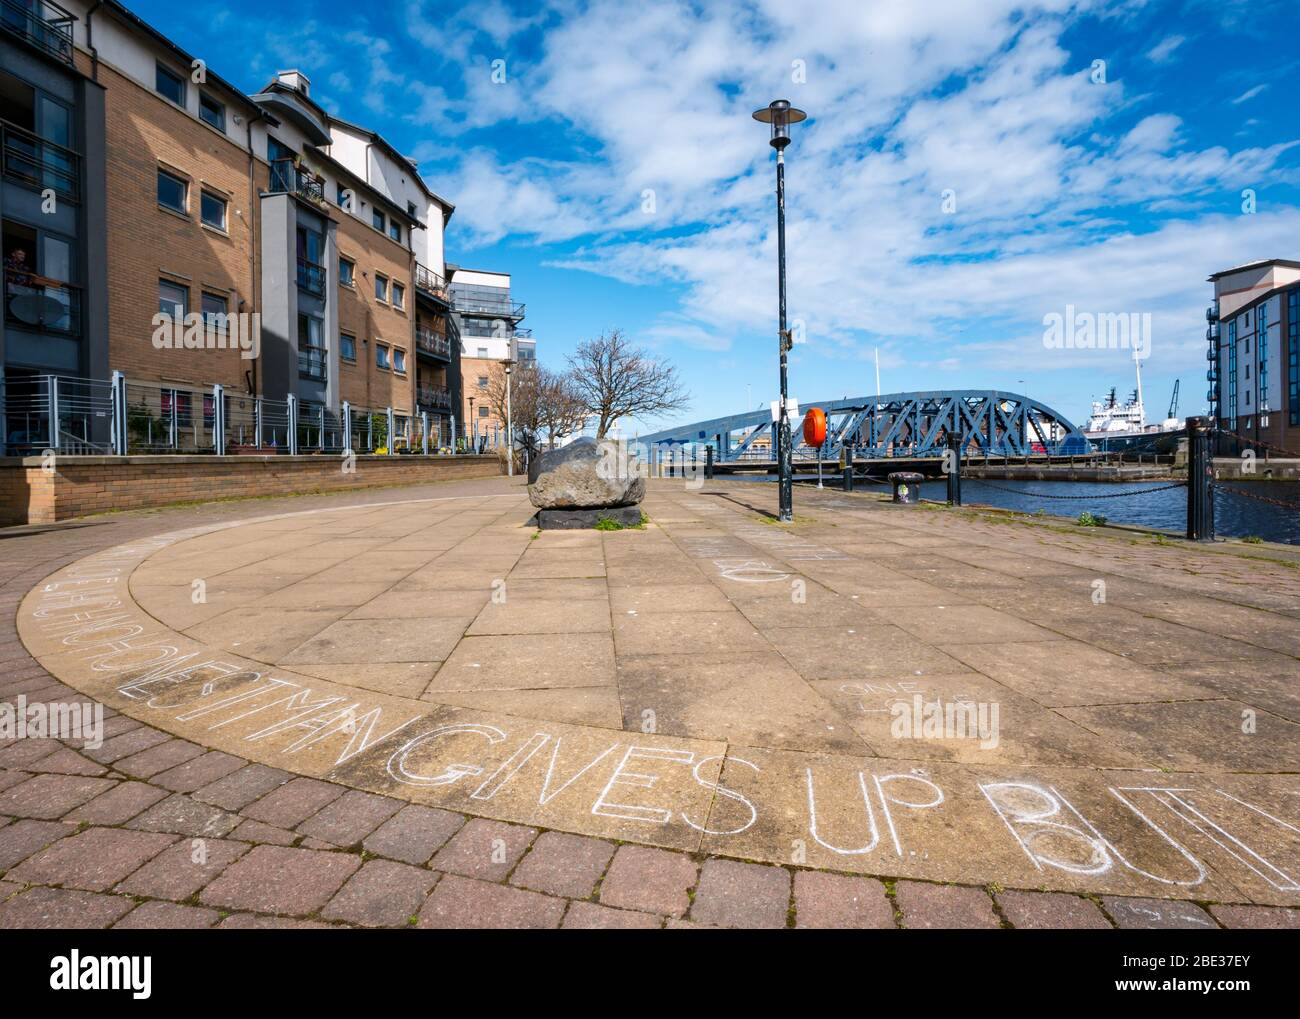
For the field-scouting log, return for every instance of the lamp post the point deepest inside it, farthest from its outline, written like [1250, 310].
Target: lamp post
[780, 114]
[510, 432]
[473, 427]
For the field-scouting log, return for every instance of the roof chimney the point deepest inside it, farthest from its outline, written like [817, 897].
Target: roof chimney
[294, 79]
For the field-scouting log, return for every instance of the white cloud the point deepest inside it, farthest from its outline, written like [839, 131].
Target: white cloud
[1163, 51]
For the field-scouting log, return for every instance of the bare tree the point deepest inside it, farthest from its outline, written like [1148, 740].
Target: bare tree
[525, 388]
[560, 408]
[616, 380]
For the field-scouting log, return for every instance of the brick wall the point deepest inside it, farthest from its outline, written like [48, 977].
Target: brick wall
[82, 485]
[471, 370]
[372, 321]
[147, 243]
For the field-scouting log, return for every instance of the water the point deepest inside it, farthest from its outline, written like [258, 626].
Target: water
[1234, 515]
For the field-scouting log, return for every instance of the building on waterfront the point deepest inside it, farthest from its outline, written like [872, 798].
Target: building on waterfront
[1254, 354]
[52, 209]
[176, 193]
[487, 319]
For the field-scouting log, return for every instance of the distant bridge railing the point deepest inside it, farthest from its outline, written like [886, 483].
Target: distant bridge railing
[990, 422]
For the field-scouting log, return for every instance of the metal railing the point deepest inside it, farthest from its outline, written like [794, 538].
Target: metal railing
[436, 397]
[312, 364]
[31, 160]
[46, 305]
[311, 277]
[43, 24]
[431, 283]
[432, 343]
[499, 309]
[285, 177]
[76, 416]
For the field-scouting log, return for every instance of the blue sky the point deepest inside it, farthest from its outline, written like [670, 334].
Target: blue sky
[616, 173]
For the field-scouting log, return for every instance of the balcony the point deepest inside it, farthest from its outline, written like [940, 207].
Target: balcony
[1212, 375]
[312, 364]
[33, 161]
[433, 397]
[45, 25]
[429, 342]
[289, 179]
[496, 309]
[44, 305]
[523, 334]
[311, 277]
[429, 282]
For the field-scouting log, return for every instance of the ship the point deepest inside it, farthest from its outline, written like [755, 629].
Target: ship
[1120, 426]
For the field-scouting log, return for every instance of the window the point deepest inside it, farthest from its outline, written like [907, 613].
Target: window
[482, 352]
[1231, 409]
[212, 210]
[173, 193]
[347, 347]
[312, 359]
[173, 300]
[395, 231]
[378, 220]
[212, 112]
[482, 382]
[346, 271]
[381, 287]
[1261, 326]
[215, 305]
[1293, 355]
[483, 412]
[399, 360]
[410, 210]
[381, 356]
[399, 295]
[169, 85]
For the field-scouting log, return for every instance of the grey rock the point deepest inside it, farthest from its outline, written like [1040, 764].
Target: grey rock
[586, 474]
[586, 519]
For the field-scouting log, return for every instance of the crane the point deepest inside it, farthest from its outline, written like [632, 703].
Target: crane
[1173, 404]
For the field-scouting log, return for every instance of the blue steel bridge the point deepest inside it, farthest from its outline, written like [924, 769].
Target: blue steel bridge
[912, 425]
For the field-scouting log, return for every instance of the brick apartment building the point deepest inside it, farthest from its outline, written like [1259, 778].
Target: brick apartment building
[487, 319]
[179, 193]
[1254, 354]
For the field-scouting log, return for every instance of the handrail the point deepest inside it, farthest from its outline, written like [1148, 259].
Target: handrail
[311, 276]
[26, 157]
[37, 302]
[44, 24]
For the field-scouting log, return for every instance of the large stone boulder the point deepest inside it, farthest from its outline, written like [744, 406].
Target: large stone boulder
[586, 474]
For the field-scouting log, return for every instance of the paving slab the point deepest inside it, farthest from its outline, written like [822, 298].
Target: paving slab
[273, 879]
[716, 684]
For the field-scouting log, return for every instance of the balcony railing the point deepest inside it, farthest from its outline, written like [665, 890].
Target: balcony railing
[312, 365]
[34, 302]
[499, 309]
[311, 277]
[432, 284]
[290, 179]
[433, 397]
[43, 24]
[524, 334]
[429, 342]
[38, 163]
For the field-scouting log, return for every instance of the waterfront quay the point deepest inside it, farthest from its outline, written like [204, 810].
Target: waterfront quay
[409, 706]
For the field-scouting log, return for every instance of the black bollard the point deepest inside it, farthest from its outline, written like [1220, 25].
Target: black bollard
[708, 463]
[907, 487]
[1200, 476]
[954, 470]
[848, 468]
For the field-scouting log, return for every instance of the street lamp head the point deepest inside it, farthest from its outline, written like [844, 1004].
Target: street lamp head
[780, 114]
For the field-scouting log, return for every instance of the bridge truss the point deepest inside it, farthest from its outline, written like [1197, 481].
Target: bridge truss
[895, 424]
